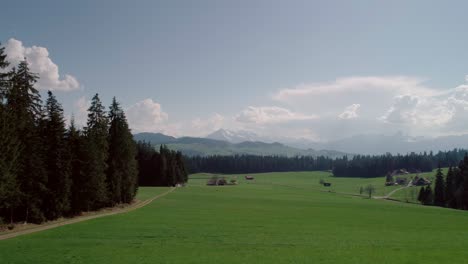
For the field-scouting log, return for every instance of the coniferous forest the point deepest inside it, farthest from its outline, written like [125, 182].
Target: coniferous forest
[49, 170]
[450, 190]
[362, 166]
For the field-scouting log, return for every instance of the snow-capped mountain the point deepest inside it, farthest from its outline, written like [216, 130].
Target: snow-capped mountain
[235, 136]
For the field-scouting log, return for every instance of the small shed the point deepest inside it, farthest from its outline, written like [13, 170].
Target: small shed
[249, 177]
[327, 184]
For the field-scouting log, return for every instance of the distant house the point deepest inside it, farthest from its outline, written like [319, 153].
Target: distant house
[420, 181]
[401, 181]
[213, 181]
[249, 177]
[326, 184]
[222, 181]
[399, 172]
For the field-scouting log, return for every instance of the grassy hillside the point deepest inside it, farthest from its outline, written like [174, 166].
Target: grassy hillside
[276, 218]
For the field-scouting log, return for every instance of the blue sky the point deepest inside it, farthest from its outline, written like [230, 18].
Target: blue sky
[190, 67]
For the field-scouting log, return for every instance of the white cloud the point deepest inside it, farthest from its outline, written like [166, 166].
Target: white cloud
[398, 84]
[270, 115]
[402, 110]
[201, 127]
[147, 116]
[40, 63]
[350, 112]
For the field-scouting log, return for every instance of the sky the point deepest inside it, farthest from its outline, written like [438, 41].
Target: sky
[318, 70]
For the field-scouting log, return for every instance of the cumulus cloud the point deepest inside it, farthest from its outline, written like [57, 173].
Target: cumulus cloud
[402, 110]
[270, 115]
[40, 63]
[413, 109]
[202, 127]
[350, 112]
[147, 116]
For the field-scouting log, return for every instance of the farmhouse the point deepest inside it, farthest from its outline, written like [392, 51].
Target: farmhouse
[399, 172]
[212, 181]
[420, 181]
[401, 181]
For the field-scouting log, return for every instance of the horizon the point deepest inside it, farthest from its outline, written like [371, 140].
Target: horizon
[320, 71]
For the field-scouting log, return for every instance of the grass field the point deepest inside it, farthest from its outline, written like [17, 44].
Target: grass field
[276, 218]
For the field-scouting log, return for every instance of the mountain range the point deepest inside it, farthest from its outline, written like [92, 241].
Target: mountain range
[359, 144]
[193, 146]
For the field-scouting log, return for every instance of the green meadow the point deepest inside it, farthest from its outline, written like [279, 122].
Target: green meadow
[275, 218]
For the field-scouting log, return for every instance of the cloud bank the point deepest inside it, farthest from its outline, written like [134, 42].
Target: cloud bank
[40, 63]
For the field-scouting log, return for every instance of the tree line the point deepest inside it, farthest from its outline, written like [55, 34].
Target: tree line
[256, 164]
[163, 168]
[449, 190]
[356, 166]
[378, 165]
[49, 170]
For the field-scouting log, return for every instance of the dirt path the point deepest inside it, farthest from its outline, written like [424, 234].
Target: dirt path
[392, 192]
[33, 229]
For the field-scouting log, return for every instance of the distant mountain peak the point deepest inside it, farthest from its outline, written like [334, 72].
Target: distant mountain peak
[233, 136]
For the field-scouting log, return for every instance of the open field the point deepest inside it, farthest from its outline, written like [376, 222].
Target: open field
[276, 218]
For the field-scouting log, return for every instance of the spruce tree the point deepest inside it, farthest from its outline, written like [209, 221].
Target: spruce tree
[428, 196]
[439, 197]
[122, 166]
[10, 149]
[163, 166]
[450, 188]
[464, 182]
[96, 146]
[57, 160]
[76, 145]
[24, 104]
[422, 195]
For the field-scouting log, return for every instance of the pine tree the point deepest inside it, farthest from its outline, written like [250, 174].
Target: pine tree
[464, 183]
[10, 149]
[422, 195]
[57, 160]
[450, 189]
[182, 171]
[122, 167]
[24, 104]
[76, 144]
[95, 189]
[163, 166]
[428, 196]
[439, 197]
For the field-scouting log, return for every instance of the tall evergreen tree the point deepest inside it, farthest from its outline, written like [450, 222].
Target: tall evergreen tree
[24, 103]
[96, 146]
[122, 166]
[10, 148]
[76, 145]
[439, 188]
[428, 196]
[450, 188]
[57, 160]
[422, 195]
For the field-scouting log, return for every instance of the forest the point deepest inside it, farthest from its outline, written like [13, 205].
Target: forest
[365, 166]
[450, 190]
[50, 170]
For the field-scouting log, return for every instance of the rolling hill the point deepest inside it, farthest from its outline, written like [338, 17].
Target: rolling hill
[192, 146]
